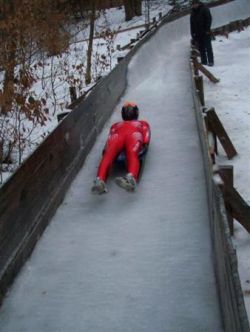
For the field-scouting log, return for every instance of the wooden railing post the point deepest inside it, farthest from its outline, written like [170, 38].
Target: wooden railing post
[72, 91]
[218, 129]
[227, 174]
[199, 85]
[195, 62]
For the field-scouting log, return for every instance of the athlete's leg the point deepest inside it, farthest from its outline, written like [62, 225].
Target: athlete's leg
[133, 145]
[113, 146]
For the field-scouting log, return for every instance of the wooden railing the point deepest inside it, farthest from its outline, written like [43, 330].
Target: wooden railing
[224, 201]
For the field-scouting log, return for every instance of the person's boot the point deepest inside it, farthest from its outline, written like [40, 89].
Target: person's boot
[127, 182]
[99, 187]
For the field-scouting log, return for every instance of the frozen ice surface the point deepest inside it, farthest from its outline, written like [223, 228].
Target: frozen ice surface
[132, 262]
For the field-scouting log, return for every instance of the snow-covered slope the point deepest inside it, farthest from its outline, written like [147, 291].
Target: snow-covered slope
[140, 261]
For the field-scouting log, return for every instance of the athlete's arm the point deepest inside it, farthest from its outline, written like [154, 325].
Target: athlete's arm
[145, 132]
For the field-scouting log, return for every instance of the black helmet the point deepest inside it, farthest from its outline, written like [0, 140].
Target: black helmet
[130, 111]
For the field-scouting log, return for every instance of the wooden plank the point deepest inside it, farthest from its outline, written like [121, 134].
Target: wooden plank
[199, 86]
[207, 73]
[238, 208]
[194, 52]
[226, 173]
[209, 129]
[220, 132]
[195, 61]
[211, 140]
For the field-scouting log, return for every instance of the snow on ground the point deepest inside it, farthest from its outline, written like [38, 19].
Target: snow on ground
[230, 98]
[114, 18]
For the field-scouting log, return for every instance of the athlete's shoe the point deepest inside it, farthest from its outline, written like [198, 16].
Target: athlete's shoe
[99, 187]
[127, 182]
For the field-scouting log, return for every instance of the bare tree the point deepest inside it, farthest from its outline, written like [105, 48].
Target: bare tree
[132, 8]
[90, 43]
[26, 24]
[26, 28]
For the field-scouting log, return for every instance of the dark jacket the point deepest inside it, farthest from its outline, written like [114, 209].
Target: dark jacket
[200, 21]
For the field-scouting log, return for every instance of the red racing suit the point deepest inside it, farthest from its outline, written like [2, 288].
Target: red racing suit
[129, 136]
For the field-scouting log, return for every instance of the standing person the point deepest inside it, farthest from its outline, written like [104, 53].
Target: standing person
[200, 25]
[130, 136]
